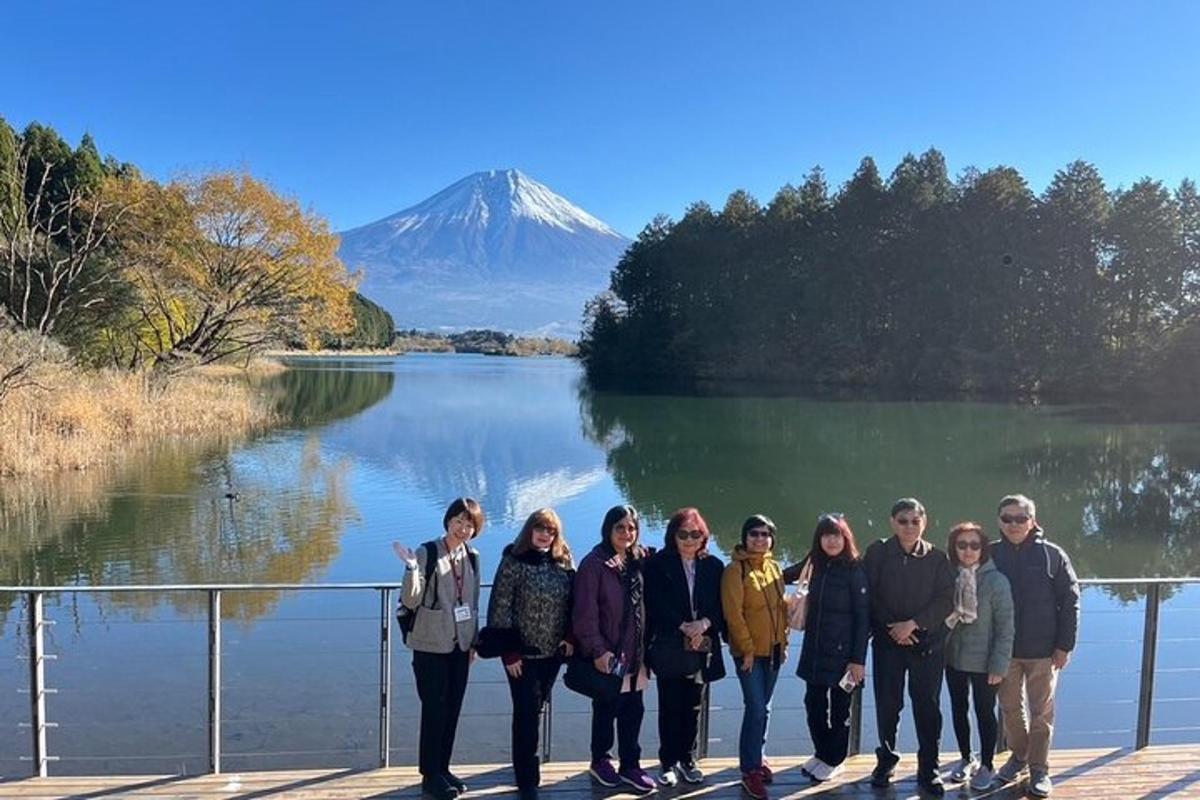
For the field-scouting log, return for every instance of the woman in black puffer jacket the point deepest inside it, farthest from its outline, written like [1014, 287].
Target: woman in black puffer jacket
[835, 640]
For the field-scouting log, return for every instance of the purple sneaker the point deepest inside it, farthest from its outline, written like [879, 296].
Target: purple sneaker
[638, 779]
[603, 773]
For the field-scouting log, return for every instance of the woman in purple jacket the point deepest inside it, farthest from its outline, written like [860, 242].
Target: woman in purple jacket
[609, 623]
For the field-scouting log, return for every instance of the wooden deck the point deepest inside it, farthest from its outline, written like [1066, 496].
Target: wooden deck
[1094, 774]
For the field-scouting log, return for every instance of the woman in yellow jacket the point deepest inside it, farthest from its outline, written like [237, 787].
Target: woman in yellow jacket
[756, 619]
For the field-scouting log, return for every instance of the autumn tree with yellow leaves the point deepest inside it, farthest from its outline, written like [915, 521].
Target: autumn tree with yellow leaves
[222, 266]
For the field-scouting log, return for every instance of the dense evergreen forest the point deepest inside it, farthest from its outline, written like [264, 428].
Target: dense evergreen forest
[917, 285]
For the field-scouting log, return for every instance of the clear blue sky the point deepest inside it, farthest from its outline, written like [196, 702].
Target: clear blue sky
[627, 108]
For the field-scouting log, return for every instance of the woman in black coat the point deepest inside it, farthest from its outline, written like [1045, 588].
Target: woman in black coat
[684, 626]
[835, 641]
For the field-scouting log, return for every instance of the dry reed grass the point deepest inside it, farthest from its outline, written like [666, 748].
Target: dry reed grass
[75, 419]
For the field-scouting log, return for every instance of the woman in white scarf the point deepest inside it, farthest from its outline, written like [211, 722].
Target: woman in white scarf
[978, 649]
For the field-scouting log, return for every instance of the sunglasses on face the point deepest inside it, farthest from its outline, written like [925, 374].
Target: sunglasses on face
[908, 520]
[758, 533]
[832, 516]
[684, 535]
[543, 528]
[968, 544]
[1018, 519]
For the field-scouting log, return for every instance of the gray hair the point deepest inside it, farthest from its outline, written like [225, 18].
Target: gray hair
[1021, 500]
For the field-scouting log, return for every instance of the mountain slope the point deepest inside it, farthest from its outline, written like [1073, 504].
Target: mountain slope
[495, 249]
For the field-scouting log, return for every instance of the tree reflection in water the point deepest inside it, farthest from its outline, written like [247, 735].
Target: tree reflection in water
[1123, 499]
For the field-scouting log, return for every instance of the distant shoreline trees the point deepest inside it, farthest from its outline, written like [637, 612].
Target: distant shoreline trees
[915, 286]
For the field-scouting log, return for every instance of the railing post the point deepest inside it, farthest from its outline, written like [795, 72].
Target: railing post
[705, 706]
[37, 683]
[547, 728]
[214, 681]
[1149, 655]
[856, 721]
[385, 677]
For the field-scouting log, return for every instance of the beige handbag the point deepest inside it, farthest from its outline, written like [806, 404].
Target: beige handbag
[797, 601]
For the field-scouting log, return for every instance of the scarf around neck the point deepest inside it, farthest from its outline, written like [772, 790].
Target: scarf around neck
[966, 599]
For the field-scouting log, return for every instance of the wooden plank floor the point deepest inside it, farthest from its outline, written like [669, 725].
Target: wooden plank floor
[1094, 774]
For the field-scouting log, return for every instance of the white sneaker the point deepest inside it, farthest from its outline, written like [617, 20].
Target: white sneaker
[822, 772]
[962, 770]
[983, 780]
[667, 776]
[807, 766]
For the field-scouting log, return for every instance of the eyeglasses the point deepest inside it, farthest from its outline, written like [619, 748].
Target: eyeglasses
[550, 529]
[681, 534]
[965, 544]
[908, 520]
[1019, 519]
[757, 533]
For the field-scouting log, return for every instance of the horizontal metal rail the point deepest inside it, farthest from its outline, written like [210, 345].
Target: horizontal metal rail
[38, 689]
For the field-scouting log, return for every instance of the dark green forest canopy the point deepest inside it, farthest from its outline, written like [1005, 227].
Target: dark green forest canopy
[918, 285]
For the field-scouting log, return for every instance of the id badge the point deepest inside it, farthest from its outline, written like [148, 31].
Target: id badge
[462, 613]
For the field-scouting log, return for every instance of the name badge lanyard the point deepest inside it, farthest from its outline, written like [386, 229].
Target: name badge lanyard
[462, 612]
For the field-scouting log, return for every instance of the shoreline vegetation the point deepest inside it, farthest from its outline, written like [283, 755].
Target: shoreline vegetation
[131, 311]
[917, 286]
[66, 418]
[482, 342]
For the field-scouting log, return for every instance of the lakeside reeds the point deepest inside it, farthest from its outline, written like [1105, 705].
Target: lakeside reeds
[76, 419]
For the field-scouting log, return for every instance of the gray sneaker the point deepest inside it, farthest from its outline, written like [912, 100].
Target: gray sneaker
[689, 772]
[983, 780]
[1039, 783]
[1013, 768]
[962, 770]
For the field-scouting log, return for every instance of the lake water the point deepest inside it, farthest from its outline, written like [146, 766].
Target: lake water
[375, 448]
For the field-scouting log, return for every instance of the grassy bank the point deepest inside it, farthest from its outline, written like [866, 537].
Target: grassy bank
[72, 419]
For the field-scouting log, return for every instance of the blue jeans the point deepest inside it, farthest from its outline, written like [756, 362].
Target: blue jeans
[757, 687]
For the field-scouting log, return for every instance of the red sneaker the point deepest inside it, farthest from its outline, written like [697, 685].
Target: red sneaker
[767, 775]
[752, 782]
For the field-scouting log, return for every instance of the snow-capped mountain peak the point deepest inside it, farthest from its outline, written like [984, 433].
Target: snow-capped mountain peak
[494, 249]
[496, 197]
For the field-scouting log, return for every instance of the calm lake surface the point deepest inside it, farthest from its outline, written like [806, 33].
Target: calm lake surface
[374, 449]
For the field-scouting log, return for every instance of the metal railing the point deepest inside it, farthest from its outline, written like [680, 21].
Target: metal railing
[38, 691]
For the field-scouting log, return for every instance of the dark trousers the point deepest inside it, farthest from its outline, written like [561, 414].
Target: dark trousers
[626, 709]
[984, 698]
[529, 695]
[441, 684]
[678, 720]
[891, 663]
[828, 710]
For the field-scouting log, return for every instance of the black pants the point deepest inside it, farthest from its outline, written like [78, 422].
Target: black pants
[678, 720]
[891, 663]
[828, 710]
[441, 684]
[626, 710]
[984, 698]
[529, 695]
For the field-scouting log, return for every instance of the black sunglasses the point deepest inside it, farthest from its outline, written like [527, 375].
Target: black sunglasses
[1019, 519]
[974, 544]
[682, 534]
[757, 533]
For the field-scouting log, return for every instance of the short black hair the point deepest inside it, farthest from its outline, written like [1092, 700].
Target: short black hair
[757, 521]
[471, 507]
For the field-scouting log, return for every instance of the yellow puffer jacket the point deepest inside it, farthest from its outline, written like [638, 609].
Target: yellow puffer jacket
[752, 598]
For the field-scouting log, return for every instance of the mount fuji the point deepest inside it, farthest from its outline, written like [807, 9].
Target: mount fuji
[497, 250]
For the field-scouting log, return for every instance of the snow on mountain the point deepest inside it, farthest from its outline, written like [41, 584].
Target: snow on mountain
[495, 249]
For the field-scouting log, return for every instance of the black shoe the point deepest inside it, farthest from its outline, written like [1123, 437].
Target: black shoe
[932, 784]
[438, 789]
[881, 776]
[455, 782]
[527, 794]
